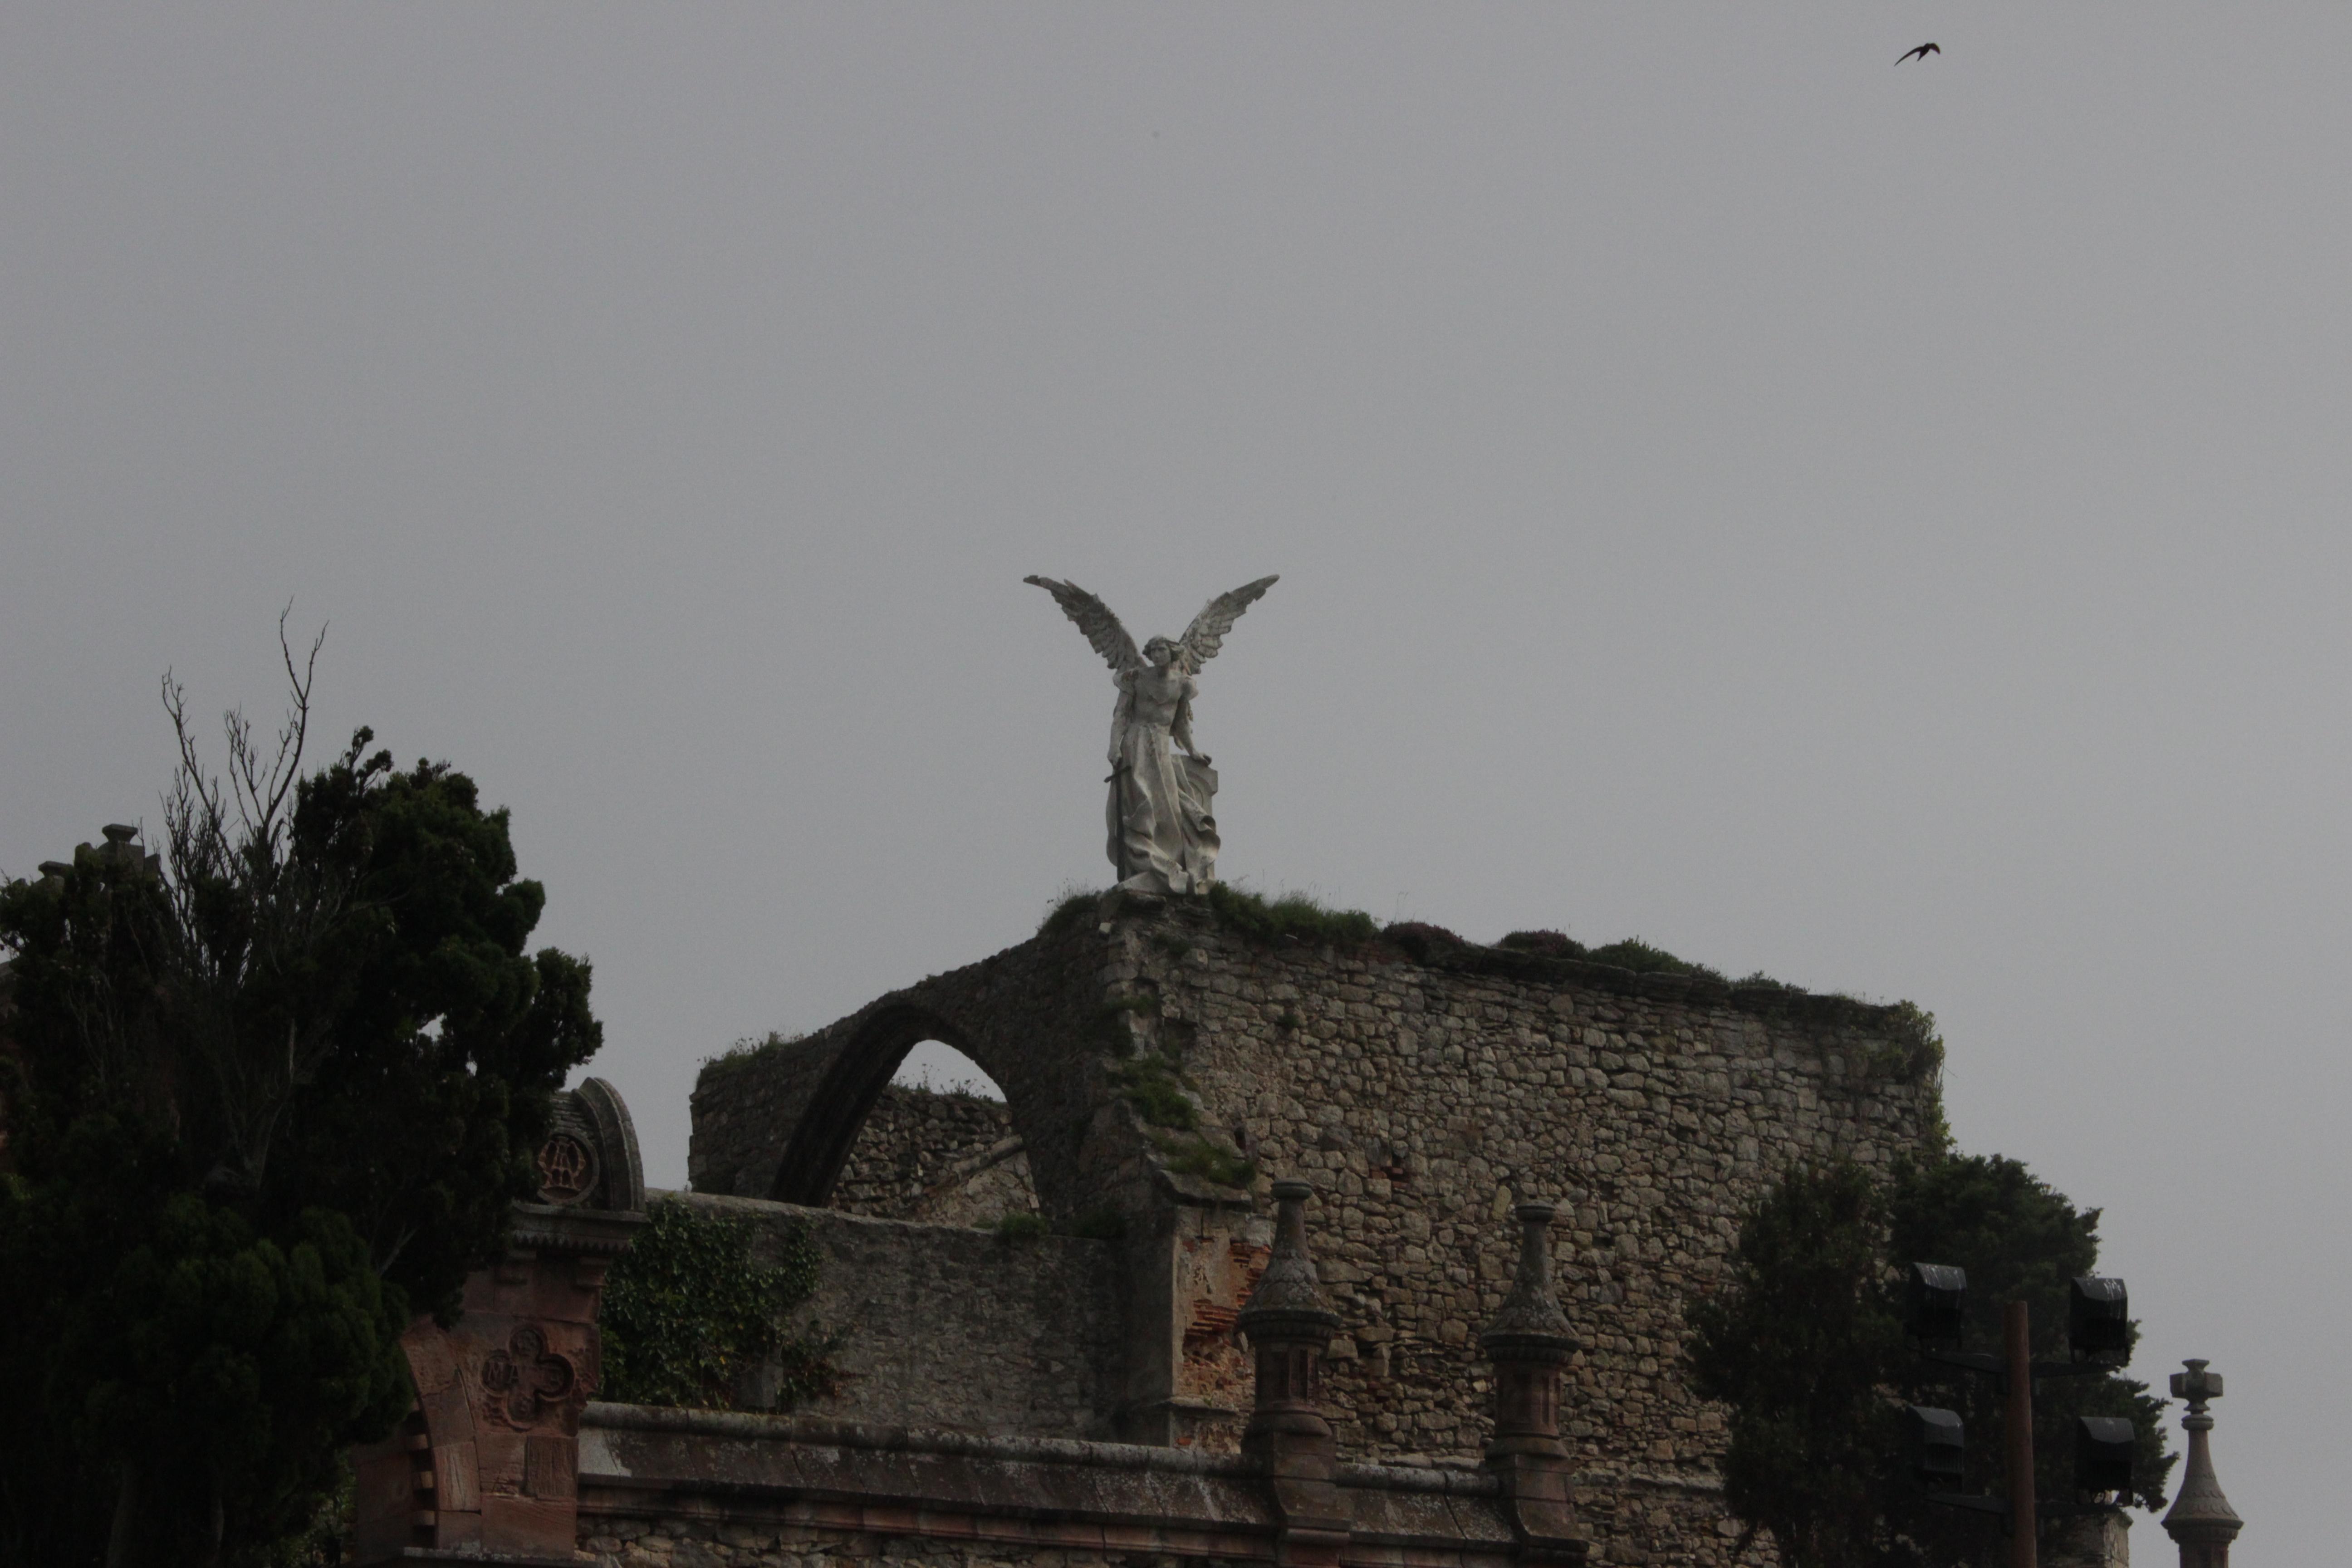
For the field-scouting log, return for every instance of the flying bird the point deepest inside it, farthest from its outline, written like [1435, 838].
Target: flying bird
[1922, 52]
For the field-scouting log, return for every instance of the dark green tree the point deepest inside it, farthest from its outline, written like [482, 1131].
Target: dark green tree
[1796, 1339]
[262, 1101]
[1802, 1339]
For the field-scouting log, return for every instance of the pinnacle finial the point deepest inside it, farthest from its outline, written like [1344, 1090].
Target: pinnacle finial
[1530, 1318]
[2200, 1516]
[1289, 1288]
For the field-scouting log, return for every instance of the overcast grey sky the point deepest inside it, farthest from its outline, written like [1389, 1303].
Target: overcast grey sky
[1885, 526]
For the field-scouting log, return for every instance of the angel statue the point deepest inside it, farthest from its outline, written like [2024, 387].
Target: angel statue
[1163, 837]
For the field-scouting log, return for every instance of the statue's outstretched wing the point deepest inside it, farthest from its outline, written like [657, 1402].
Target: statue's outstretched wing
[1207, 633]
[1095, 619]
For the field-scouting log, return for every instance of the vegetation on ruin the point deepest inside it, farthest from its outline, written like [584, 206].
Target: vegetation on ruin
[1426, 943]
[1802, 1339]
[1020, 1225]
[1069, 913]
[1634, 953]
[746, 1050]
[1300, 920]
[1422, 942]
[1290, 918]
[1154, 1086]
[1142, 1006]
[263, 1104]
[1549, 943]
[691, 1316]
[1916, 1049]
[1193, 1155]
[1643, 957]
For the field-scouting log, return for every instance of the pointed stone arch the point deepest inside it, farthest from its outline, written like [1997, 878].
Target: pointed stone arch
[844, 1096]
[782, 1121]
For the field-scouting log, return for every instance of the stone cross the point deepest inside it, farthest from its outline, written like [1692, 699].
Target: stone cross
[2201, 1520]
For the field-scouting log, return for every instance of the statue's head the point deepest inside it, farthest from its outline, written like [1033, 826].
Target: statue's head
[1160, 651]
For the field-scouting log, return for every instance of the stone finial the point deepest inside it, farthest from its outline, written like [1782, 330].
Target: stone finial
[1530, 1318]
[2201, 1520]
[1289, 1324]
[1530, 1342]
[120, 846]
[1289, 1295]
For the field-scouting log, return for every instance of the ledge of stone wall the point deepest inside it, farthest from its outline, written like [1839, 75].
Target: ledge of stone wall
[757, 1478]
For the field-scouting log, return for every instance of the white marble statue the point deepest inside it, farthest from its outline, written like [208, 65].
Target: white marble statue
[1163, 835]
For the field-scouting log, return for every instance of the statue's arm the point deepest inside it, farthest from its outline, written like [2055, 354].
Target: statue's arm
[1180, 729]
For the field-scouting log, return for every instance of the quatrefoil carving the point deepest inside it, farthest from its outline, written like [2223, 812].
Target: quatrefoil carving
[532, 1379]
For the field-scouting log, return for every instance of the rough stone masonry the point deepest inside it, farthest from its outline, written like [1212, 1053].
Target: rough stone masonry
[1160, 1070]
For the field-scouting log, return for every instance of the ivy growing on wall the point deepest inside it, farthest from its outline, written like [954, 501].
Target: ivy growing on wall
[691, 1317]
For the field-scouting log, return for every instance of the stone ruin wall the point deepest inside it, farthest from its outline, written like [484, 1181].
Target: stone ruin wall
[941, 1158]
[1421, 1100]
[1420, 1095]
[949, 1326]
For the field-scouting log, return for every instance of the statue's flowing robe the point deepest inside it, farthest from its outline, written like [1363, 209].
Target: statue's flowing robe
[1160, 812]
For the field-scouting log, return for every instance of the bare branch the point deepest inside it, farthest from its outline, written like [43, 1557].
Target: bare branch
[243, 908]
[296, 732]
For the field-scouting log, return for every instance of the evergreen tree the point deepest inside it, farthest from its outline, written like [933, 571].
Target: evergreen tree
[1804, 1340]
[261, 1102]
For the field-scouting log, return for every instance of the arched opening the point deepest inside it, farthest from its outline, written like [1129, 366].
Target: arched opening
[940, 1068]
[938, 1146]
[904, 1124]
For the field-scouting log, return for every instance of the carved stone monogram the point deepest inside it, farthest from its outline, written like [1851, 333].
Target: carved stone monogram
[566, 1170]
[528, 1380]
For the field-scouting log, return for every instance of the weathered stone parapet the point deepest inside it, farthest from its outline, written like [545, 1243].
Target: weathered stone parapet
[762, 1489]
